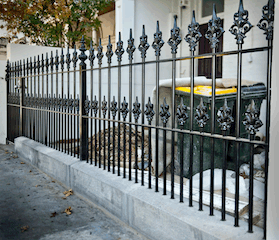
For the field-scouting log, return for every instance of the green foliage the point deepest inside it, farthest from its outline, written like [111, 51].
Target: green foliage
[52, 22]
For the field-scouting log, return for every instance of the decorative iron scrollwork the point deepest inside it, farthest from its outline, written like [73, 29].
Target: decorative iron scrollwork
[175, 38]
[149, 112]
[109, 52]
[267, 20]
[241, 24]
[76, 104]
[104, 107]
[164, 113]
[87, 105]
[215, 30]
[251, 120]
[56, 63]
[60, 102]
[143, 46]
[65, 102]
[181, 113]
[119, 49]
[124, 109]
[158, 41]
[194, 34]
[95, 106]
[224, 117]
[62, 62]
[136, 109]
[71, 103]
[201, 114]
[113, 107]
[100, 54]
[131, 47]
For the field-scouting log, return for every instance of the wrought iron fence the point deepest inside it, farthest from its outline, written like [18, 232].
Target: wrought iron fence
[95, 128]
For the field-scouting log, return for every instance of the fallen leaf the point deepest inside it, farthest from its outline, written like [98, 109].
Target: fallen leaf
[64, 198]
[22, 163]
[68, 193]
[30, 171]
[68, 211]
[15, 156]
[12, 152]
[24, 228]
[53, 181]
[53, 214]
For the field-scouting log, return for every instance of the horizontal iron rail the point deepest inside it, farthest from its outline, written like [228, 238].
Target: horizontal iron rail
[200, 56]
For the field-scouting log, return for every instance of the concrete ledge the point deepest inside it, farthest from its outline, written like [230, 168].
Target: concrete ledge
[154, 215]
[56, 164]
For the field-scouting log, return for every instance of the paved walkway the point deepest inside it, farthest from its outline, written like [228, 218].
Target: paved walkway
[32, 206]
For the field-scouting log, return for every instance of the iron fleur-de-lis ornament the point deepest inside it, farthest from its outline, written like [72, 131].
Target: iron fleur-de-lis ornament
[164, 113]
[241, 24]
[91, 54]
[109, 52]
[158, 41]
[75, 59]
[201, 115]
[214, 30]
[100, 54]
[113, 107]
[87, 105]
[194, 34]
[224, 117]
[131, 47]
[124, 109]
[104, 106]
[119, 48]
[143, 46]
[149, 112]
[71, 103]
[68, 58]
[251, 120]
[95, 105]
[181, 113]
[76, 104]
[267, 21]
[175, 38]
[62, 62]
[136, 110]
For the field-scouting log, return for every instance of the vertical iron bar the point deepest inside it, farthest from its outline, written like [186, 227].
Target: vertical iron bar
[181, 164]
[149, 157]
[157, 124]
[201, 171]
[224, 178]
[212, 131]
[237, 132]
[251, 185]
[130, 126]
[164, 161]
[119, 124]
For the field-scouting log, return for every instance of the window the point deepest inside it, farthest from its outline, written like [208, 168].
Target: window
[207, 7]
[204, 65]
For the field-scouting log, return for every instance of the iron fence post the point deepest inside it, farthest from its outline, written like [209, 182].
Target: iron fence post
[21, 92]
[83, 123]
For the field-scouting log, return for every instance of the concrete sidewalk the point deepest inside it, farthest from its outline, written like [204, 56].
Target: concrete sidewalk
[31, 198]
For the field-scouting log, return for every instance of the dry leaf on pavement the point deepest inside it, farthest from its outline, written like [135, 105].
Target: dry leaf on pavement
[68, 193]
[22, 163]
[53, 214]
[24, 228]
[15, 156]
[68, 210]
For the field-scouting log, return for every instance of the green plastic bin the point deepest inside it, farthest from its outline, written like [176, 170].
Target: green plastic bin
[256, 92]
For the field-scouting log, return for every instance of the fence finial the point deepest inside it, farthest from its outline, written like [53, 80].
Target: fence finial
[164, 113]
[143, 46]
[201, 114]
[75, 59]
[91, 54]
[119, 49]
[158, 42]
[194, 34]
[100, 52]
[8, 70]
[224, 117]
[109, 52]
[241, 24]
[62, 60]
[267, 20]
[68, 58]
[215, 30]
[56, 60]
[181, 113]
[82, 56]
[175, 38]
[131, 48]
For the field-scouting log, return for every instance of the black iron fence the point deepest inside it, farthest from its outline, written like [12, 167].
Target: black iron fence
[53, 102]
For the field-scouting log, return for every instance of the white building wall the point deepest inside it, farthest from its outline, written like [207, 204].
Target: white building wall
[3, 103]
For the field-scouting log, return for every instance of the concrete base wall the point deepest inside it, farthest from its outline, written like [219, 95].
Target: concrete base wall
[154, 215]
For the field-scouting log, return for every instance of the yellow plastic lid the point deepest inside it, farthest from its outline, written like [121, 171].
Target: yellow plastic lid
[207, 90]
